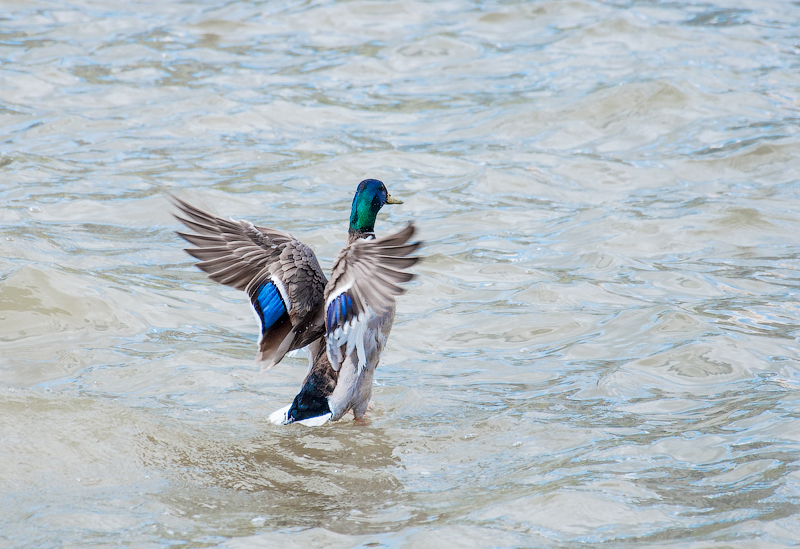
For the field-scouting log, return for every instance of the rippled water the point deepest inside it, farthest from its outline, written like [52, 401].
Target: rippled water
[601, 348]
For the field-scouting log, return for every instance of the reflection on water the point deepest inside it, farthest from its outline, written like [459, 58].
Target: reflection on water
[334, 476]
[602, 344]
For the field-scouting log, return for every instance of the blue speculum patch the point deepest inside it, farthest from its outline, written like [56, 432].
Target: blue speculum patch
[268, 304]
[339, 310]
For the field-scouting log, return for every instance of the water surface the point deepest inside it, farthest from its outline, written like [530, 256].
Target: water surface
[601, 348]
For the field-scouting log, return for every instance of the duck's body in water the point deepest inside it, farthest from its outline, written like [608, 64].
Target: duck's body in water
[345, 322]
[328, 391]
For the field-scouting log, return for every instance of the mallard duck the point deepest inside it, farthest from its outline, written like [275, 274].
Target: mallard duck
[344, 321]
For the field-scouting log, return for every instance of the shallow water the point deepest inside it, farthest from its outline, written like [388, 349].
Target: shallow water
[602, 345]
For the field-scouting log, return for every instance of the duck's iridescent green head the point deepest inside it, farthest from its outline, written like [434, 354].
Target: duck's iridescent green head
[370, 197]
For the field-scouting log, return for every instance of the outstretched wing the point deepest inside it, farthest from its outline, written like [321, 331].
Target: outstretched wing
[279, 273]
[366, 277]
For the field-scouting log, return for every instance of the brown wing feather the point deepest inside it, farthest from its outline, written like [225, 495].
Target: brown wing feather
[366, 277]
[245, 256]
[373, 269]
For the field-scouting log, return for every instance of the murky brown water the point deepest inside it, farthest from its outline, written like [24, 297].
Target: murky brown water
[602, 347]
